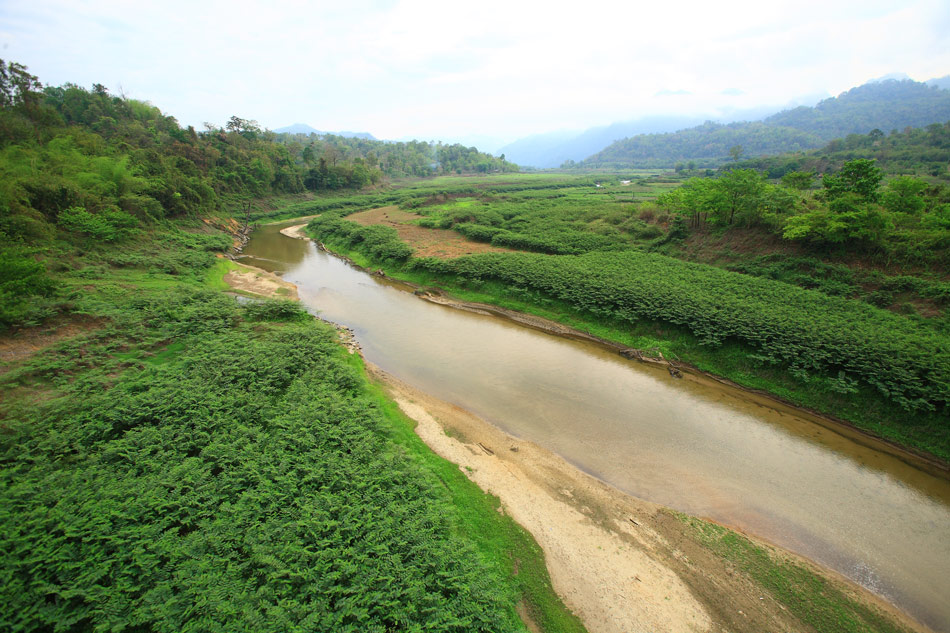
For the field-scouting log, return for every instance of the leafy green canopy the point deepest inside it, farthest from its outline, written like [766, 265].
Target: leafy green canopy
[66, 147]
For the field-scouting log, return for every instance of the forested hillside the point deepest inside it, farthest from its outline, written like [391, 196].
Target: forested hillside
[886, 105]
[911, 151]
[67, 148]
[90, 163]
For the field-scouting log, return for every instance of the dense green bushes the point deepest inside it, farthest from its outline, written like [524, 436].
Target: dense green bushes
[808, 331]
[243, 484]
[380, 242]
[25, 287]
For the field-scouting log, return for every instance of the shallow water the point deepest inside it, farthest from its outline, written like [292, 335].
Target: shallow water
[702, 449]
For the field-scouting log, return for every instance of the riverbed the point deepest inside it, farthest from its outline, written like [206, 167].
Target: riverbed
[703, 449]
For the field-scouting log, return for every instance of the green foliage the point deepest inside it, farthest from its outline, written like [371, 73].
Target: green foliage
[109, 225]
[276, 310]
[904, 194]
[845, 219]
[247, 484]
[380, 242]
[738, 197]
[806, 330]
[860, 177]
[800, 180]
[25, 287]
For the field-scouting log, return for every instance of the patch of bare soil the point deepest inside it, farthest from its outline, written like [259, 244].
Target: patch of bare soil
[259, 282]
[731, 246]
[22, 344]
[296, 231]
[441, 243]
[620, 563]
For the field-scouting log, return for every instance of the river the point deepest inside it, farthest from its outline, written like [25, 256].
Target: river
[703, 449]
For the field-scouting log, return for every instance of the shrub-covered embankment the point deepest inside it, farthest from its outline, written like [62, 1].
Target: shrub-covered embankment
[897, 370]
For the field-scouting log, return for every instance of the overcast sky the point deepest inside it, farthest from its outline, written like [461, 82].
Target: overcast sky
[446, 69]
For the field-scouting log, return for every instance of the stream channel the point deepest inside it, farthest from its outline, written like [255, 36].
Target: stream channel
[707, 450]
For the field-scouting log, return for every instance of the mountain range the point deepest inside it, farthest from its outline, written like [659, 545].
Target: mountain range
[303, 128]
[887, 104]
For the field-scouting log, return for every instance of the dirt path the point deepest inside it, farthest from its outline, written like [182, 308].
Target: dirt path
[21, 344]
[425, 242]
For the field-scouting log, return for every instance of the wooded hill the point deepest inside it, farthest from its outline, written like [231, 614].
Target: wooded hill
[92, 163]
[912, 151]
[884, 106]
[122, 160]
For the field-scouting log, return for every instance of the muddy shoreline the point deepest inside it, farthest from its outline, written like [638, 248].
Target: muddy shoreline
[923, 461]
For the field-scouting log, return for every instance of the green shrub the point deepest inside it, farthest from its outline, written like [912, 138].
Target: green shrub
[109, 225]
[24, 284]
[275, 310]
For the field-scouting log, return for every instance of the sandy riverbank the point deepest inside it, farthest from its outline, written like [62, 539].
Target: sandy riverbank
[621, 563]
[257, 281]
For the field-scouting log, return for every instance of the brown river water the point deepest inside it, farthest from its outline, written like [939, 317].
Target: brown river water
[704, 449]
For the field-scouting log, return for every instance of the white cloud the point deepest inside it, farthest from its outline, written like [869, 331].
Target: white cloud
[427, 68]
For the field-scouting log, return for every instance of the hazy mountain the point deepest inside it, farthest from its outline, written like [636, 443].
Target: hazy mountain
[940, 82]
[303, 128]
[888, 77]
[885, 104]
[484, 142]
[554, 148]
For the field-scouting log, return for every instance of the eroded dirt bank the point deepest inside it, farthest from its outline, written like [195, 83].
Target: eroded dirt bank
[621, 563]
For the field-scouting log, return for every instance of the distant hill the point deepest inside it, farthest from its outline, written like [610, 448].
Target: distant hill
[886, 104]
[554, 148]
[303, 128]
[940, 82]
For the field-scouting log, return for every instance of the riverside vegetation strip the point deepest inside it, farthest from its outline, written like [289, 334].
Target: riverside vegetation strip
[884, 372]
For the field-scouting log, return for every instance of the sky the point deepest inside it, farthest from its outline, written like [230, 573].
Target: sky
[490, 70]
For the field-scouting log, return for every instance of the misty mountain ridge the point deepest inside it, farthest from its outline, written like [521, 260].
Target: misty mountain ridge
[553, 149]
[303, 128]
[885, 104]
[940, 82]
